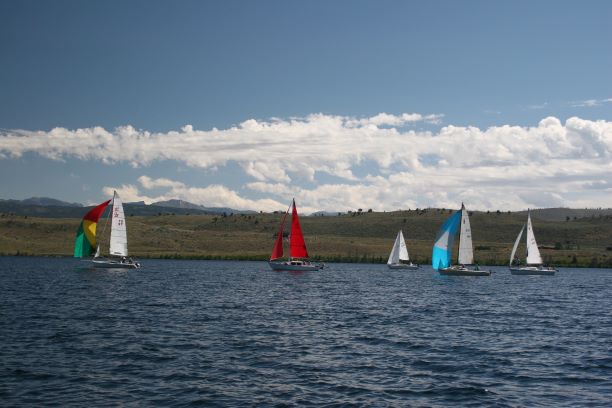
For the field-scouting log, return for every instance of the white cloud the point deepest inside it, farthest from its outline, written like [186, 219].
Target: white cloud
[210, 196]
[386, 119]
[538, 106]
[128, 193]
[590, 103]
[278, 189]
[150, 183]
[501, 167]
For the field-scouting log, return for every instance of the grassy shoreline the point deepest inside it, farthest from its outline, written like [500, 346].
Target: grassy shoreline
[364, 238]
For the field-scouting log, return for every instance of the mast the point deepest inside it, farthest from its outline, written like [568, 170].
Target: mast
[466, 252]
[118, 237]
[86, 241]
[297, 246]
[533, 253]
[403, 250]
[443, 245]
[394, 256]
[106, 221]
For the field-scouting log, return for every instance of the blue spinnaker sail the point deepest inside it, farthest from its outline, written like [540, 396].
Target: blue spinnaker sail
[443, 247]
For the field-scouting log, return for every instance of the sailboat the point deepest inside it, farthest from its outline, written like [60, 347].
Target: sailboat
[399, 258]
[533, 262]
[86, 243]
[298, 254]
[443, 247]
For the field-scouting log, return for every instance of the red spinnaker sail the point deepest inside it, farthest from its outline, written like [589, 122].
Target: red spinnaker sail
[277, 251]
[95, 213]
[297, 246]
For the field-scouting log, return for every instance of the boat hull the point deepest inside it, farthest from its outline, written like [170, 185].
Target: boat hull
[531, 270]
[463, 271]
[403, 266]
[289, 266]
[112, 264]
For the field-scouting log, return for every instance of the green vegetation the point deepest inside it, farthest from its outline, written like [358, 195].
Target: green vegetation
[361, 236]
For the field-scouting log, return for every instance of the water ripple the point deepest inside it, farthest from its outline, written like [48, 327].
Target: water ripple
[203, 333]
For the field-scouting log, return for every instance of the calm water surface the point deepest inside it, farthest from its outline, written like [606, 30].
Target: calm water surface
[182, 333]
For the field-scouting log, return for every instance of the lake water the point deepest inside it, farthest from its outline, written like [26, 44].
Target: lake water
[182, 333]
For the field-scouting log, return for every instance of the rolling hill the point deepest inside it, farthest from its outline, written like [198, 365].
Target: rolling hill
[363, 237]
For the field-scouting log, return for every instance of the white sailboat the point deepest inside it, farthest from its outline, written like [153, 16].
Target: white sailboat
[399, 258]
[443, 247]
[118, 249]
[534, 264]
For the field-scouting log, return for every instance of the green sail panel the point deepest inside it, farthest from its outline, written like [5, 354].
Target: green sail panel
[82, 246]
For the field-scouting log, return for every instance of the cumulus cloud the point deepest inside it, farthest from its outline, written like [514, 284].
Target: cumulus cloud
[267, 150]
[210, 196]
[150, 183]
[338, 162]
[129, 193]
[386, 119]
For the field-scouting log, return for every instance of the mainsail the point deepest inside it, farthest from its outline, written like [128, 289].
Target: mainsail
[533, 253]
[443, 246]
[399, 251]
[466, 252]
[86, 243]
[297, 246]
[518, 239]
[118, 237]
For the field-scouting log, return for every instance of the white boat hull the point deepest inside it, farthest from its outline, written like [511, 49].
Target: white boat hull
[114, 264]
[463, 271]
[409, 266]
[294, 266]
[532, 270]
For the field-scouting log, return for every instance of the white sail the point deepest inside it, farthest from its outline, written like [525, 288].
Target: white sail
[518, 239]
[399, 251]
[403, 249]
[466, 253]
[118, 237]
[394, 255]
[97, 255]
[533, 253]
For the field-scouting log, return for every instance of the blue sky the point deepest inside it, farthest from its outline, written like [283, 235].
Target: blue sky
[482, 80]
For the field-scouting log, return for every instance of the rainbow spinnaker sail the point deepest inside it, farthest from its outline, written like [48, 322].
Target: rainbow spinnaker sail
[85, 243]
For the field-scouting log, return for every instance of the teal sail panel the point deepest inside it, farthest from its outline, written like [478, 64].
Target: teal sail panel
[443, 246]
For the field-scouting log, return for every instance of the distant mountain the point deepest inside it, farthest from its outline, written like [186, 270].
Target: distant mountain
[15, 207]
[175, 203]
[52, 208]
[45, 201]
[139, 209]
